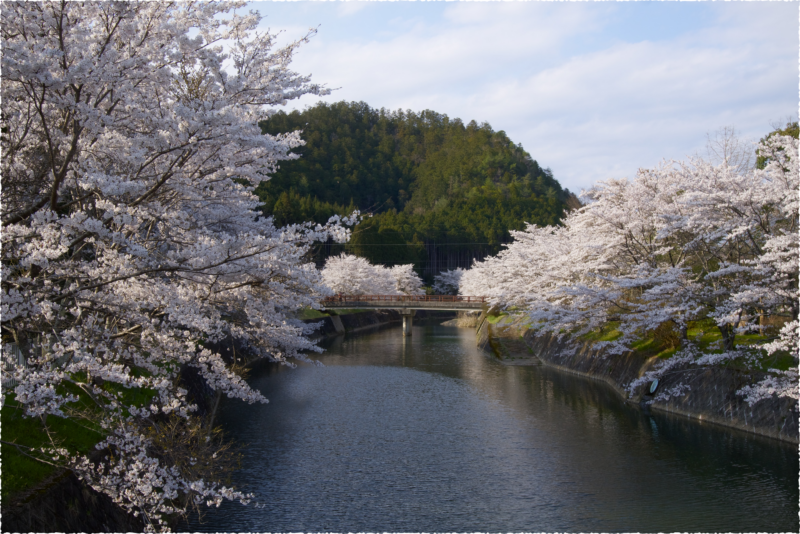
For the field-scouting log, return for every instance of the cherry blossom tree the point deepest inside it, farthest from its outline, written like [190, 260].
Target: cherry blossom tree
[771, 288]
[670, 246]
[681, 242]
[407, 282]
[726, 146]
[447, 282]
[130, 240]
[352, 275]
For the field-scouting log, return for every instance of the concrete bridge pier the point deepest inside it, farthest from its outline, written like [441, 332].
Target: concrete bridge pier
[408, 321]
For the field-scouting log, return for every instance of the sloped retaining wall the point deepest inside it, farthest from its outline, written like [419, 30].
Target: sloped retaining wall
[712, 390]
[464, 320]
[64, 504]
[333, 325]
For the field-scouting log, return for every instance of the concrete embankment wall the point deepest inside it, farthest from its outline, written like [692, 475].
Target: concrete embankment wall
[339, 324]
[63, 503]
[711, 395]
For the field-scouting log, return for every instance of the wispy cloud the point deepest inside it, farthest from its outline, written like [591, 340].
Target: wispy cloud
[350, 8]
[343, 7]
[590, 90]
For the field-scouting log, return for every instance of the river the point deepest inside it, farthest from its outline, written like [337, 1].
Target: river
[432, 434]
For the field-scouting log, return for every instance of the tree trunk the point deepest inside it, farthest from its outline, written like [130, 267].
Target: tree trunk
[728, 336]
[683, 329]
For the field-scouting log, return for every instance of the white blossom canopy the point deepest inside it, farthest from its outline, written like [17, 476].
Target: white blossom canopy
[131, 241]
[407, 282]
[447, 282]
[346, 274]
[683, 241]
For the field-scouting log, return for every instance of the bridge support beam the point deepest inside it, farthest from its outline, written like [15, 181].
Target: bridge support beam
[408, 321]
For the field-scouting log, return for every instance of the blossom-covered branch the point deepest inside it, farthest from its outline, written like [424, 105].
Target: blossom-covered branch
[131, 241]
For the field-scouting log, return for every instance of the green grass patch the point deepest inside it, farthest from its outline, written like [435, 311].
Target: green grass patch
[781, 360]
[346, 311]
[608, 332]
[493, 319]
[21, 472]
[74, 433]
[311, 313]
[705, 333]
[707, 336]
[650, 346]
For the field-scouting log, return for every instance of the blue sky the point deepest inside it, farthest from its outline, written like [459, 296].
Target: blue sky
[591, 90]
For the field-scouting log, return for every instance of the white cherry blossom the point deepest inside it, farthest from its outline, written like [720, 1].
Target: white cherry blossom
[131, 240]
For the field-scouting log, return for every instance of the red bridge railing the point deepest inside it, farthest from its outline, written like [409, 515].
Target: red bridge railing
[401, 298]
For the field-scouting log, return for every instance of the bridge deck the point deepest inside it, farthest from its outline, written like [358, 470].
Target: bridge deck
[406, 302]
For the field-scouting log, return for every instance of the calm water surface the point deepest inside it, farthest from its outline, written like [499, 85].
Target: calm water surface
[432, 434]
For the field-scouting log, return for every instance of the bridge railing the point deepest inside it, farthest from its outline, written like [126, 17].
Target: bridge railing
[401, 298]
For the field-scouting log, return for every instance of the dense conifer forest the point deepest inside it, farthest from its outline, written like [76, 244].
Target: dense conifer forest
[440, 192]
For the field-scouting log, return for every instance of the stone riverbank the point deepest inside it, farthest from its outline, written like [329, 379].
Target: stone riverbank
[710, 397]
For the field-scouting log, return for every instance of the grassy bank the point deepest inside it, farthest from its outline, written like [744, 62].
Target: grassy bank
[24, 435]
[78, 433]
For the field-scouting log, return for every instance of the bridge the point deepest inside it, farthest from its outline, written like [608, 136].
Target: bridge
[406, 304]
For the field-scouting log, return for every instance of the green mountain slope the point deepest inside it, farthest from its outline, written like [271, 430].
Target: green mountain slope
[441, 192]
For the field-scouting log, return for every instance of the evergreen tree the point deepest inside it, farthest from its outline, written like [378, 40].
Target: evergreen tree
[441, 193]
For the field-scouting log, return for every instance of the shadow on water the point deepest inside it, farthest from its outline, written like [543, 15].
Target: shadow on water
[431, 433]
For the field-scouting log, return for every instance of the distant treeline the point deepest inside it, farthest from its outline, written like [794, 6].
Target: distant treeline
[440, 192]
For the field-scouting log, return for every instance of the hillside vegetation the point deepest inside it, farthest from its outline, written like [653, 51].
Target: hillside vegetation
[441, 192]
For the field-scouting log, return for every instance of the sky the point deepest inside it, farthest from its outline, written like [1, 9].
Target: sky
[590, 90]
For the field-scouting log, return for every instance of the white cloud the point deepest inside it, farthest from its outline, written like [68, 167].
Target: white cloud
[559, 20]
[345, 7]
[350, 8]
[586, 103]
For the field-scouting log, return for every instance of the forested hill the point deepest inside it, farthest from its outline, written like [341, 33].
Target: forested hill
[452, 189]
